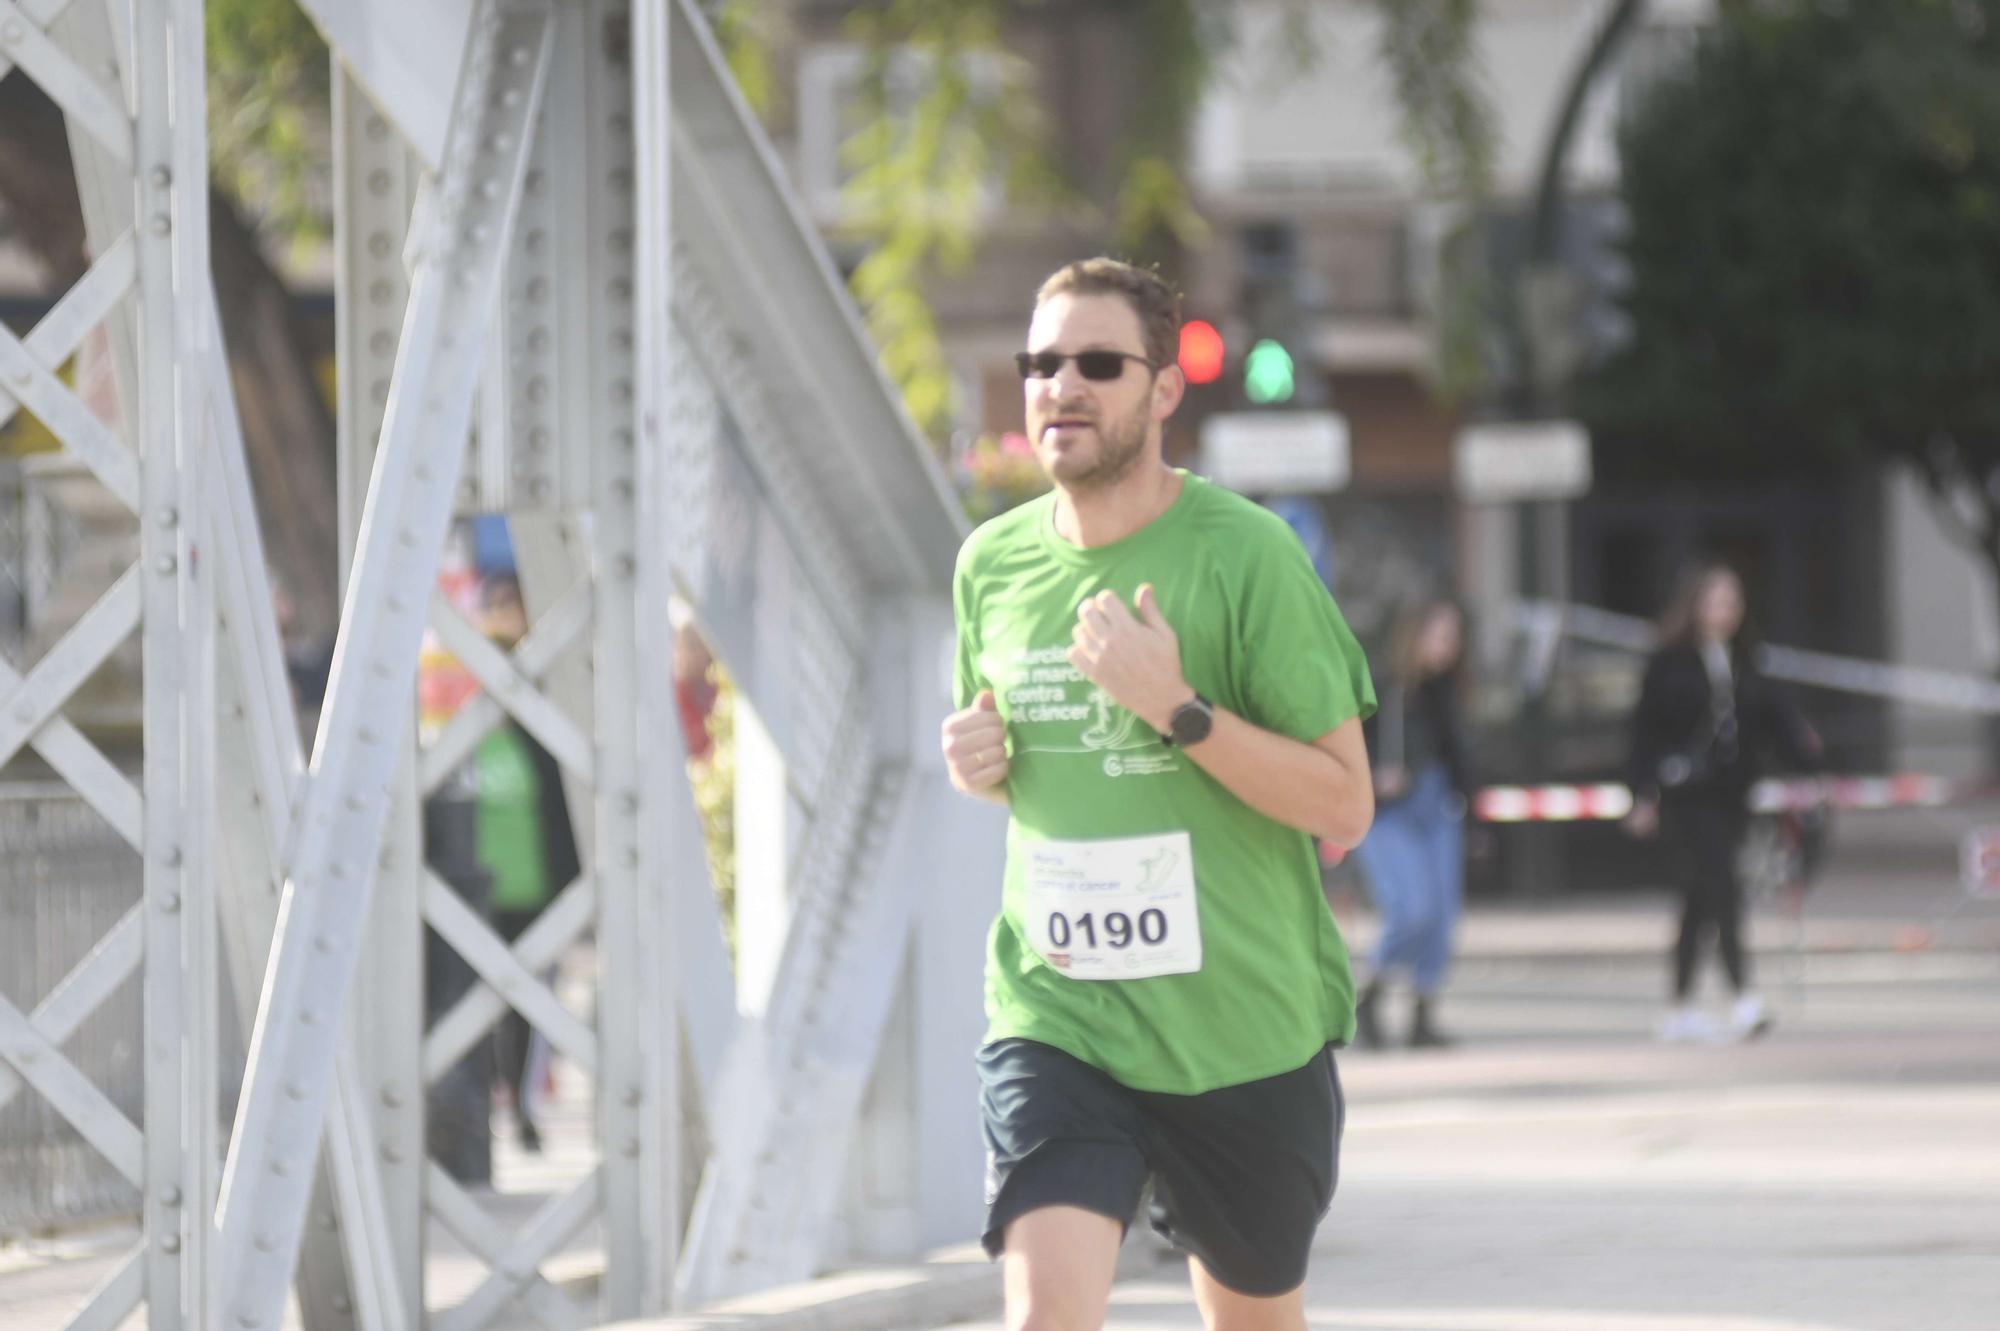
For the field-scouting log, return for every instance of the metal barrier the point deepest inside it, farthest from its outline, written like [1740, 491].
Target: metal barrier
[66, 880]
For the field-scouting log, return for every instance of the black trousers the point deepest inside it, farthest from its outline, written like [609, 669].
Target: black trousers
[1706, 830]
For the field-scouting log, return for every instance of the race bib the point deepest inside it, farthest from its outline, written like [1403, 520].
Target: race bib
[1122, 909]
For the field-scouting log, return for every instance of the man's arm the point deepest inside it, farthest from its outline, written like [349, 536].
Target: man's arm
[1322, 787]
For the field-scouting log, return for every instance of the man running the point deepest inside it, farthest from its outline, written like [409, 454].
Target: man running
[1155, 682]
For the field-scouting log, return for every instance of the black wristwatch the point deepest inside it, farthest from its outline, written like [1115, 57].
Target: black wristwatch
[1190, 723]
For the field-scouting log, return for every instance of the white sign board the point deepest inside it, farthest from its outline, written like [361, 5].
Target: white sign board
[1276, 452]
[1498, 464]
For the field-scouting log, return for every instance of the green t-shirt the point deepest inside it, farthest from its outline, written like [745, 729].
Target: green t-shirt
[1260, 636]
[507, 820]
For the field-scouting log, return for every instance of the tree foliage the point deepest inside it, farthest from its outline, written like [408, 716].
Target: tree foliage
[928, 151]
[1815, 252]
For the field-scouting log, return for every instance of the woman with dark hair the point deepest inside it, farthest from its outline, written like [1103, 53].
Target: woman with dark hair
[1706, 719]
[1414, 855]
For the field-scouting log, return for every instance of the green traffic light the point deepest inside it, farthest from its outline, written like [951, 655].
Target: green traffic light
[1267, 373]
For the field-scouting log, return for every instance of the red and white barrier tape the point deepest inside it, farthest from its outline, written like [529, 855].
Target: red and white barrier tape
[1610, 801]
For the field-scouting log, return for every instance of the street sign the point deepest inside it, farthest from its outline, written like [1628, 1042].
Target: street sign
[1276, 452]
[1504, 463]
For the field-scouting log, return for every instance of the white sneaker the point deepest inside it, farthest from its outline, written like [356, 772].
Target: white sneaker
[1686, 1024]
[1750, 1019]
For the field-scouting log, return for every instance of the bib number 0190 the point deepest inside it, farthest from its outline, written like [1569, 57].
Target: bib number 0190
[1119, 928]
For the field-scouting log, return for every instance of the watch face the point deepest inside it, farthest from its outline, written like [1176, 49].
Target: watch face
[1191, 724]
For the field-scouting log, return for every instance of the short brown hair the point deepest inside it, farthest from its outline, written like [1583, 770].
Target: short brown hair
[1156, 304]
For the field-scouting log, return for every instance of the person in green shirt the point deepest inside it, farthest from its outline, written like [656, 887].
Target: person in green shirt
[1155, 682]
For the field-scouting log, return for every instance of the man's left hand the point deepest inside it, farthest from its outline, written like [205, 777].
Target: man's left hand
[1134, 658]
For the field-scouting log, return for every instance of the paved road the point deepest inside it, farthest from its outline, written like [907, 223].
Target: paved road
[1562, 1173]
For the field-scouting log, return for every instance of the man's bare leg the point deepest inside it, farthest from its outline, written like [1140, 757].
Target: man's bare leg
[1223, 1309]
[1058, 1268]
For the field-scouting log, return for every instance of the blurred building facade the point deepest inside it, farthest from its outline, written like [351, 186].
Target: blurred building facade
[1309, 190]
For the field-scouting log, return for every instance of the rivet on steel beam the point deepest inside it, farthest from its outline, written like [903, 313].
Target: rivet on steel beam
[536, 182]
[162, 177]
[381, 343]
[326, 1220]
[520, 56]
[391, 1097]
[511, 97]
[627, 566]
[170, 1195]
[539, 488]
[171, 903]
[366, 734]
[392, 1153]
[381, 291]
[294, 1091]
[342, 1304]
[160, 224]
[164, 565]
[379, 181]
[308, 1018]
[634, 1096]
[279, 1167]
[13, 30]
[537, 240]
[323, 943]
[167, 516]
[247, 1320]
[170, 1243]
[628, 802]
[266, 1243]
[632, 855]
[631, 1148]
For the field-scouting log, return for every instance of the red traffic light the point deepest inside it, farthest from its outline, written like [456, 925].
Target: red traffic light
[1201, 352]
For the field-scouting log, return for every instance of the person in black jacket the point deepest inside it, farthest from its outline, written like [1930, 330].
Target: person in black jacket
[1706, 722]
[1414, 855]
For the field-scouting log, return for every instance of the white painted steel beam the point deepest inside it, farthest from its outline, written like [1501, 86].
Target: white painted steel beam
[376, 183]
[115, 1299]
[513, 1257]
[37, 1061]
[560, 924]
[31, 704]
[170, 162]
[628, 115]
[81, 309]
[85, 101]
[553, 633]
[81, 992]
[458, 246]
[473, 939]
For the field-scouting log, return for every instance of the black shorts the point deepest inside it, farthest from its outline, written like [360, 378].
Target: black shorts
[1241, 1176]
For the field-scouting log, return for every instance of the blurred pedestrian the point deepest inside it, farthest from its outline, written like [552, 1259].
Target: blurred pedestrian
[1706, 721]
[1414, 855]
[524, 840]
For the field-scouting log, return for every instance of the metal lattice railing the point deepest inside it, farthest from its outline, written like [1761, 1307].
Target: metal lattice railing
[66, 882]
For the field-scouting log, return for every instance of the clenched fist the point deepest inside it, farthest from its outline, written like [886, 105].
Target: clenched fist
[1134, 658]
[975, 746]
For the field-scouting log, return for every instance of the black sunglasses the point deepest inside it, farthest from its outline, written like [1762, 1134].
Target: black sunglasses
[1098, 366]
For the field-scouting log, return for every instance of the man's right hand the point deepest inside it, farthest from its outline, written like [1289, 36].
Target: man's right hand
[975, 748]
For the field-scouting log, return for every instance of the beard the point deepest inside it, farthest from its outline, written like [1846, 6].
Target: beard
[1120, 444]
